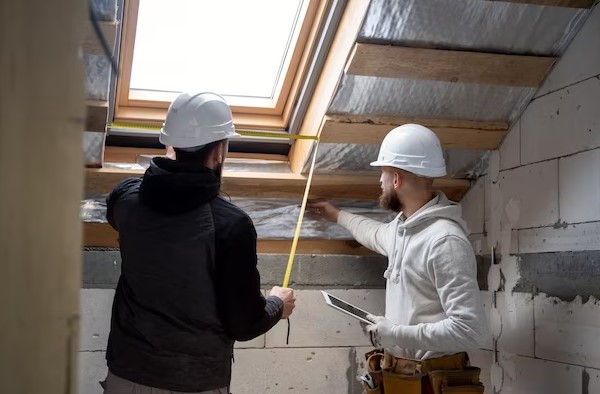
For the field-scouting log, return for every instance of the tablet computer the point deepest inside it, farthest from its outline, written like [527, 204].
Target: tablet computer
[345, 307]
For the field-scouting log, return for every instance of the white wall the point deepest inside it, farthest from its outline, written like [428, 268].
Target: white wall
[542, 194]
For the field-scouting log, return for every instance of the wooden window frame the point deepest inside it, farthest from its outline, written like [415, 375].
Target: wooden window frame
[276, 117]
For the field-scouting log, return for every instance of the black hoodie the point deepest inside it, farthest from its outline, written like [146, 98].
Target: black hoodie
[189, 286]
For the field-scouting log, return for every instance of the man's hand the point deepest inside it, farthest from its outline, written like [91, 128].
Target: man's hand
[383, 331]
[324, 209]
[287, 296]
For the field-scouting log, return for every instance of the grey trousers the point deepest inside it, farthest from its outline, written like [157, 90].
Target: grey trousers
[117, 385]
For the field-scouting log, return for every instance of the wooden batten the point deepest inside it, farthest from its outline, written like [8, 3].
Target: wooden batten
[331, 74]
[102, 235]
[280, 185]
[449, 66]
[452, 133]
[42, 116]
[118, 154]
[95, 116]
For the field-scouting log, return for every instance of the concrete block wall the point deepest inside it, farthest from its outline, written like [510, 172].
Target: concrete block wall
[538, 207]
[325, 352]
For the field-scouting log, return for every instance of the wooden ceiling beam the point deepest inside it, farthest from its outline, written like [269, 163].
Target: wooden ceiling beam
[102, 235]
[119, 154]
[274, 185]
[333, 70]
[95, 116]
[449, 66]
[358, 129]
[555, 3]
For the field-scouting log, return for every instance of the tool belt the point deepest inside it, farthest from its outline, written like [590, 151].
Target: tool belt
[443, 375]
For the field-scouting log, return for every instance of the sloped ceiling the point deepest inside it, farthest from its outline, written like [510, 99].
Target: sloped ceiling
[470, 26]
[466, 68]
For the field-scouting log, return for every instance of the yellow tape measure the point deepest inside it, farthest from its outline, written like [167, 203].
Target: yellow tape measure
[246, 133]
[290, 263]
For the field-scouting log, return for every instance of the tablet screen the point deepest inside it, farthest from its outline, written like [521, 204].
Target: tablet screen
[346, 307]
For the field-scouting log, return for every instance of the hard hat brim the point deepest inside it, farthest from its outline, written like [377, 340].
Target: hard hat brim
[379, 164]
[424, 172]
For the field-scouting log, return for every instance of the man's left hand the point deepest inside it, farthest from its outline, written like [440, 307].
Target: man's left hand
[382, 331]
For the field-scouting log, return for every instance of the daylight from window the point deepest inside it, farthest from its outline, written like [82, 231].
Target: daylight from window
[232, 47]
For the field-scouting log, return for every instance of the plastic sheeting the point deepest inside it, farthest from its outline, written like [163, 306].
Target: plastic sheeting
[273, 218]
[93, 148]
[472, 24]
[97, 76]
[106, 10]
[432, 99]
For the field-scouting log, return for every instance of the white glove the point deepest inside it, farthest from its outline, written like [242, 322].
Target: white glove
[383, 331]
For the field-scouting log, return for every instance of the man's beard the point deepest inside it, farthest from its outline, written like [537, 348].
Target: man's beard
[389, 200]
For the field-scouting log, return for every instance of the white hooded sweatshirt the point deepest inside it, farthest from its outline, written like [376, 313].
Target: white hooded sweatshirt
[432, 292]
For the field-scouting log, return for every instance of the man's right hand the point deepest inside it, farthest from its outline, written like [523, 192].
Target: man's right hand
[324, 209]
[287, 296]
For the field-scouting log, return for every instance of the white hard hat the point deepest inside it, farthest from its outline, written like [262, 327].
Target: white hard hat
[413, 148]
[195, 120]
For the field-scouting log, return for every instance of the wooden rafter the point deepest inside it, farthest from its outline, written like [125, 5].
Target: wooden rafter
[273, 185]
[104, 236]
[96, 114]
[555, 3]
[449, 66]
[356, 129]
[118, 154]
[333, 69]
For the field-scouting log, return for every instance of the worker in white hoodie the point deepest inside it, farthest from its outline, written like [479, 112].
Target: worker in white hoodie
[433, 310]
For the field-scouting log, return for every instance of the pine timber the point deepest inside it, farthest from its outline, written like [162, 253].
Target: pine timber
[102, 235]
[118, 154]
[331, 74]
[452, 133]
[95, 116]
[280, 185]
[449, 66]
[42, 115]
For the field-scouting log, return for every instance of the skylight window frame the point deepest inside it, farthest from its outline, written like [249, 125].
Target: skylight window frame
[268, 115]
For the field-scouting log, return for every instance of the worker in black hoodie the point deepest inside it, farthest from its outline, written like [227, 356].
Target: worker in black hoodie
[189, 285]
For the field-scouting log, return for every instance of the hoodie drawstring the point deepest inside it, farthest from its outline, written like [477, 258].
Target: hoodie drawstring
[396, 272]
[388, 271]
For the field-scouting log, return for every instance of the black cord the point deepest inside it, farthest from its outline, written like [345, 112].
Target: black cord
[287, 339]
[102, 39]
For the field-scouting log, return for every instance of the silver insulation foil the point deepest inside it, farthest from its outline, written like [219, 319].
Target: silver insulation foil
[273, 218]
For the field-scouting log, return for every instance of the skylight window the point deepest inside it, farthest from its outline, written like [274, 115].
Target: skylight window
[252, 52]
[238, 48]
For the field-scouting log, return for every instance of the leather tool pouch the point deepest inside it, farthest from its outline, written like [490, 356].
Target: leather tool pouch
[374, 358]
[456, 381]
[396, 383]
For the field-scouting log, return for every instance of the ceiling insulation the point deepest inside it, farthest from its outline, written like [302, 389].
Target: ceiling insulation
[472, 24]
[273, 218]
[359, 95]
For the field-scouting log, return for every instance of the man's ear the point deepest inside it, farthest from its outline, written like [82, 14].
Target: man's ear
[219, 152]
[397, 180]
[170, 152]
